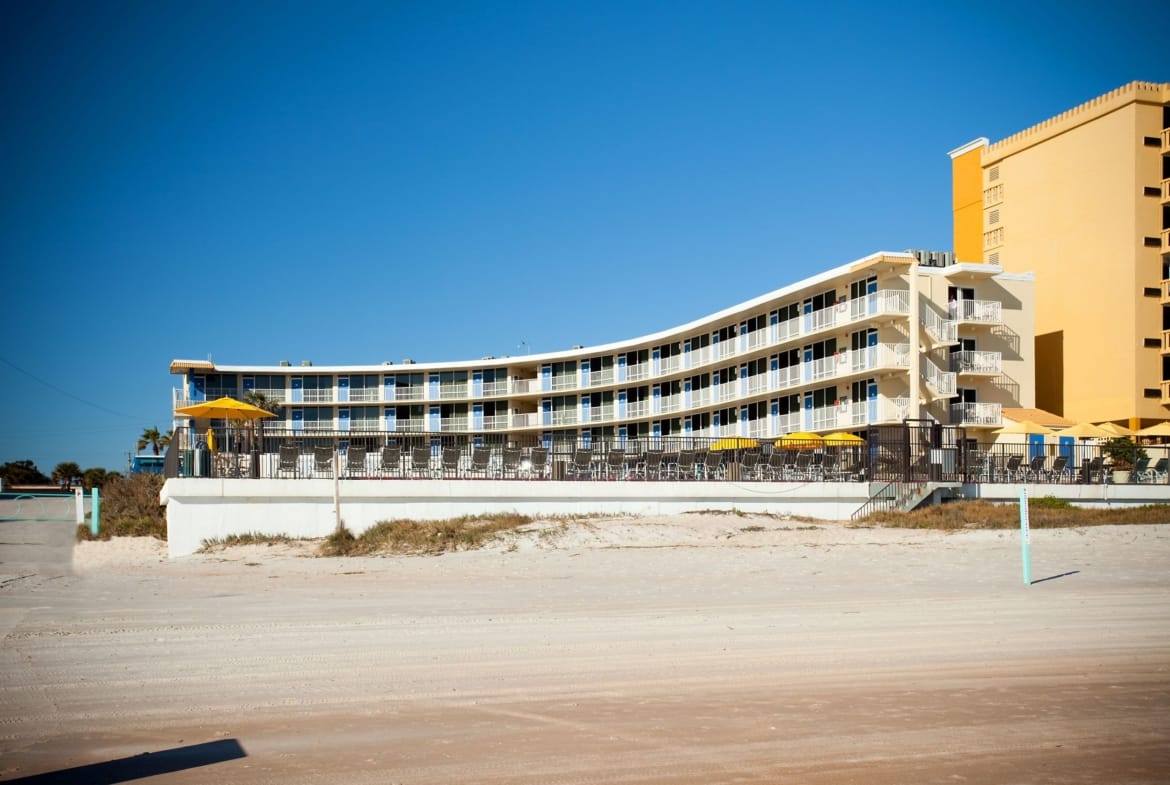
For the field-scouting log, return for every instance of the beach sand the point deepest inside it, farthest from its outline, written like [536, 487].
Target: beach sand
[686, 649]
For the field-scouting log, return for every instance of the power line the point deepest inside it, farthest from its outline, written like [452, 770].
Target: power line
[66, 393]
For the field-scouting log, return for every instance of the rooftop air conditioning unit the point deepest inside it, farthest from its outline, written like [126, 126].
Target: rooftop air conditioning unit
[408, 361]
[285, 363]
[307, 363]
[387, 362]
[578, 346]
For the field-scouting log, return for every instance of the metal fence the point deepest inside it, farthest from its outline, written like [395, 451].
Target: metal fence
[911, 452]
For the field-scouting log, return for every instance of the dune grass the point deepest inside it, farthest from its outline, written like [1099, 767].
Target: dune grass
[1045, 512]
[406, 536]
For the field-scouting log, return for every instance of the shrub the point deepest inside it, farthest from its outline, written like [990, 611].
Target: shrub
[130, 508]
[423, 537]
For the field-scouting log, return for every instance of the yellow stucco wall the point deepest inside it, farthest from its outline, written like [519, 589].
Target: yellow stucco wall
[967, 204]
[1073, 212]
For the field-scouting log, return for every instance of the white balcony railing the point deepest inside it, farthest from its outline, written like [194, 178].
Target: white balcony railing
[524, 386]
[496, 389]
[976, 362]
[977, 414]
[940, 329]
[453, 390]
[365, 395]
[942, 382]
[979, 311]
[638, 372]
[317, 396]
[447, 424]
[416, 393]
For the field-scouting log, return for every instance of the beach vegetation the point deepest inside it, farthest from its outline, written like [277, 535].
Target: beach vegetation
[130, 508]
[405, 536]
[249, 538]
[1043, 513]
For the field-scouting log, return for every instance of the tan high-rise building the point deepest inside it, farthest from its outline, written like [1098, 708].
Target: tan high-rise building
[1083, 201]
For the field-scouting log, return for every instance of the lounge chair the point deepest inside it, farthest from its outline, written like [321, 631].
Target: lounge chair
[449, 460]
[1059, 471]
[391, 462]
[615, 465]
[538, 462]
[420, 461]
[289, 461]
[749, 465]
[582, 464]
[1011, 470]
[650, 467]
[713, 468]
[1035, 470]
[323, 461]
[481, 460]
[510, 464]
[685, 468]
[355, 461]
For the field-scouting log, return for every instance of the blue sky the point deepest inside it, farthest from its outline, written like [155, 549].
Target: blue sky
[353, 182]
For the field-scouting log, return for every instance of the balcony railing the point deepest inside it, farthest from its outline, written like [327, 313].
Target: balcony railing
[1166, 191]
[497, 389]
[978, 311]
[638, 372]
[1165, 393]
[1165, 341]
[453, 390]
[1166, 292]
[416, 393]
[453, 424]
[942, 382]
[318, 396]
[566, 381]
[940, 329]
[524, 386]
[1166, 142]
[989, 414]
[1166, 241]
[976, 362]
[365, 394]
[599, 378]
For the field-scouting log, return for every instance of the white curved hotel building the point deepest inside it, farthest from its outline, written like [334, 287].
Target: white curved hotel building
[890, 337]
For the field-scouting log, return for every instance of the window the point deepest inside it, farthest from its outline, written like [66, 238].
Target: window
[1152, 190]
[993, 174]
[993, 217]
[1151, 242]
[993, 258]
[1152, 343]
[1151, 141]
[1151, 392]
[1151, 291]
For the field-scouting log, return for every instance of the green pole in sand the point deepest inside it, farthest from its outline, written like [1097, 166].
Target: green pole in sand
[95, 512]
[1024, 544]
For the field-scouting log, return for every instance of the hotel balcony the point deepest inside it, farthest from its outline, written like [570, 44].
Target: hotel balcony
[976, 311]
[975, 363]
[1166, 191]
[1166, 292]
[988, 415]
[1166, 141]
[1166, 342]
[1165, 393]
[1166, 241]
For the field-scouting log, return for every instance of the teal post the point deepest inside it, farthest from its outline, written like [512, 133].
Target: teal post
[95, 513]
[1024, 537]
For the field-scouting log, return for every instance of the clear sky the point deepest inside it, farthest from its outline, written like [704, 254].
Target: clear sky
[349, 182]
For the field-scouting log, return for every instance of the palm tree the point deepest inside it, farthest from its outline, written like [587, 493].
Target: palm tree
[152, 437]
[260, 401]
[66, 473]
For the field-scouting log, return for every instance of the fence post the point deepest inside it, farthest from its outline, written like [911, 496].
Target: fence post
[95, 513]
[79, 498]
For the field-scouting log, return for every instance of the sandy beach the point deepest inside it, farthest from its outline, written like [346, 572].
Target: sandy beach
[689, 649]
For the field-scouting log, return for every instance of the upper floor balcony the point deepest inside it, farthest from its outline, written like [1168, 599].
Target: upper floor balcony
[976, 363]
[1166, 141]
[1166, 191]
[976, 311]
[977, 414]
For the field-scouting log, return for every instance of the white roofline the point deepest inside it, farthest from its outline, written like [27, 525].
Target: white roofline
[982, 141]
[500, 362]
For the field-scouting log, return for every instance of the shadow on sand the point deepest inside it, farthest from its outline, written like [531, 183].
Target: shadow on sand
[1054, 577]
[148, 764]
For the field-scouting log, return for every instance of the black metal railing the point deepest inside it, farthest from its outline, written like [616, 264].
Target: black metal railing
[913, 452]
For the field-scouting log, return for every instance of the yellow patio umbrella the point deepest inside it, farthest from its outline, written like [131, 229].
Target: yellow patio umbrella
[1114, 429]
[1085, 430]
[225, 408]
[842, 437]
[1026, 427]
[1160, 429]
[734, 443]
[800, 440]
